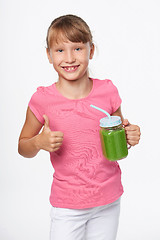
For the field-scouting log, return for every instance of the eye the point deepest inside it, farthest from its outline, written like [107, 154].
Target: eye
[60, 50]
[77, 49]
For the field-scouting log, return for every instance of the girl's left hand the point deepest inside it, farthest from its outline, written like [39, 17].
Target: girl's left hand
[132, 133]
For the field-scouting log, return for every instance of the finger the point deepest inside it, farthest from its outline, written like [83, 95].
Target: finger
[55, 149]
[51, 149]
[46, 121]
[134, 138]
[132, 128]
[58, 140]
[125, 122]
[132, 133]
[54, 140]
[57, 134]
[55, 145]
[132, 143]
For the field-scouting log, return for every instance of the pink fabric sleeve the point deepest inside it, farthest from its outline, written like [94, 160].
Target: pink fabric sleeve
[36, 104]
[115, 98]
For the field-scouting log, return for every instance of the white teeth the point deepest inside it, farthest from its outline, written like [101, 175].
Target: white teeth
[69, 68]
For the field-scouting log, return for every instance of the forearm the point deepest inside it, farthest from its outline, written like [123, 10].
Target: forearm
[29, 147]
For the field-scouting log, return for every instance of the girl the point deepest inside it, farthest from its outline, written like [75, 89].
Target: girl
[86, 188]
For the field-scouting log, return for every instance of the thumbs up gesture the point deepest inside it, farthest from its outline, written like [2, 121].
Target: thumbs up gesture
[50, 140]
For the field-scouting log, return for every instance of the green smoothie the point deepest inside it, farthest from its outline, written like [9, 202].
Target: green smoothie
[113, 137]
[114, 143]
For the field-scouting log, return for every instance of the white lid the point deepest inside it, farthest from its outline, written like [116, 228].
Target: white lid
[113, 121]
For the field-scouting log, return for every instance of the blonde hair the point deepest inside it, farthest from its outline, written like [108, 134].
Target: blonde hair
[70, 27]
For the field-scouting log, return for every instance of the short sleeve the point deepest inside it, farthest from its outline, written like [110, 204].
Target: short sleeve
[115, 98]
[36, 104]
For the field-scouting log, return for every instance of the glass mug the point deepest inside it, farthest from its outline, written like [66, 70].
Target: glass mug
[113, 138]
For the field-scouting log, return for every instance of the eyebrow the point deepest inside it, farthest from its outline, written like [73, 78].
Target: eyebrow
[61, 44]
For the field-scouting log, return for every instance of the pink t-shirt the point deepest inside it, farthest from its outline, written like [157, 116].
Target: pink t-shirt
[83, 178]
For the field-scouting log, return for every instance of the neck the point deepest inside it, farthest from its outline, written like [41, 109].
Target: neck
[74, 89]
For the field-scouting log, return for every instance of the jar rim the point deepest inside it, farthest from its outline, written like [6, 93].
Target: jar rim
[110, 122]
[113, 128]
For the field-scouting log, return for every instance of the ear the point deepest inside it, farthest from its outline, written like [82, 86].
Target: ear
[92, 51]
[49, 55]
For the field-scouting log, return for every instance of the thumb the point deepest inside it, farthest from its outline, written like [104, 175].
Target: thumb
[46, 121]
[125, 122]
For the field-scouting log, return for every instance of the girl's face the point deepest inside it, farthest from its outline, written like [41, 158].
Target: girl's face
[70, 59]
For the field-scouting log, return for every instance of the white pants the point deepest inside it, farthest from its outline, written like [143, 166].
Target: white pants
[98, 223]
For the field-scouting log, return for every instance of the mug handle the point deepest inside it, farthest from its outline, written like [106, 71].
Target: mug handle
[128, 146]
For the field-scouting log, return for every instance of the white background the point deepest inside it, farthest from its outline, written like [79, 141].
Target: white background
[127, 36]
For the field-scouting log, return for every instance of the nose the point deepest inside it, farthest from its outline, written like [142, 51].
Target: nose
[70, 57]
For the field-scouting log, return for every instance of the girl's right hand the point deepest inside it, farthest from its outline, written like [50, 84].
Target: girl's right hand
[49, 140]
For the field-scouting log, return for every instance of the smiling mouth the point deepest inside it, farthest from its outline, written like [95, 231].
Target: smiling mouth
[70, 68]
